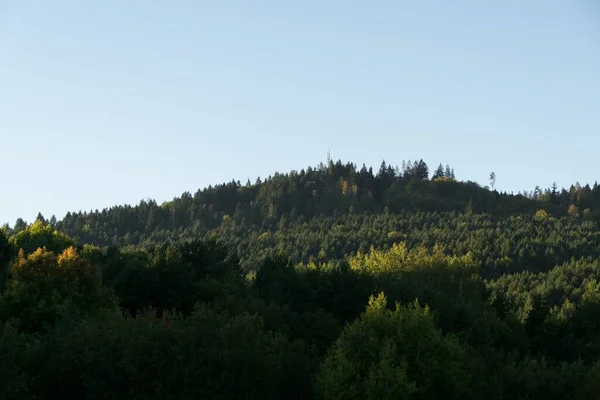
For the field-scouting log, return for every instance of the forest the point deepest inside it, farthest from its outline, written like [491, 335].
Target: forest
[332, 282]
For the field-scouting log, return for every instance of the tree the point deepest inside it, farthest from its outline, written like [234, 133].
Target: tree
[469, 208]
[439, 172]
[44, 288]
[41, 235]
[383, 169]
[493, 180]
[17, 352]
[573, 210]
[421, 171]
[40, 218]
[20, 225]
[6, 253]
[541, 215]
[447, 172]
[395, 354]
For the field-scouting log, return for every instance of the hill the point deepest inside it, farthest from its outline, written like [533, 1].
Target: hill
[334, 210]
[332, 282]
[330, 191]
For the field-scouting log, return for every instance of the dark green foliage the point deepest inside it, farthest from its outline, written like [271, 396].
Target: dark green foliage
[7, 251]
[314, 192]
[17, 355]
[209, 355]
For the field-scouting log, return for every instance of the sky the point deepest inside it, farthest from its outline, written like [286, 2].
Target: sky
[111, 102]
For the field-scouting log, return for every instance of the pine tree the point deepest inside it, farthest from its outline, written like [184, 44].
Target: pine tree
[448, 172]
[382, 170]
[439, 172]
[40, 218]
[469, 209]
[20, 225]
[6, 253]
[421, 170]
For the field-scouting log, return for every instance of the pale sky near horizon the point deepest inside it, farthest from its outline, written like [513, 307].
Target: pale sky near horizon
[110, 102]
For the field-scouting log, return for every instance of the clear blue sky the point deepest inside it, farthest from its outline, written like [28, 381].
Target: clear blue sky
[109, 102]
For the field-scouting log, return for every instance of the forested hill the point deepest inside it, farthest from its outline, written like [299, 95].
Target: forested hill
[329, 190]
[335, 210]
[331, 283]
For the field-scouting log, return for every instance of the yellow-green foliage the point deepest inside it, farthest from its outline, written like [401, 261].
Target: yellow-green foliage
[400, 258]
[541, 215]
[265, 236]
[45, 287]
[40, 235]
[592, 292]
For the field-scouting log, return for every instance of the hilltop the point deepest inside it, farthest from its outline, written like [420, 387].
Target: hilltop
[334, 210]
[328, 190]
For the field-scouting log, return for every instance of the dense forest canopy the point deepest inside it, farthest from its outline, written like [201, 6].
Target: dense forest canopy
[334, 282]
